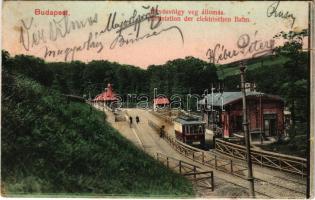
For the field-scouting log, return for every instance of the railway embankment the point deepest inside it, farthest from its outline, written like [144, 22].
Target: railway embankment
[54, 146]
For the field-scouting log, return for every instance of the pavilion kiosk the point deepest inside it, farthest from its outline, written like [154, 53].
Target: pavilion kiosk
[108, 98]
[161, 103]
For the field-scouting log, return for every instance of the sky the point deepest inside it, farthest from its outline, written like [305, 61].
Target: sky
[24, 32]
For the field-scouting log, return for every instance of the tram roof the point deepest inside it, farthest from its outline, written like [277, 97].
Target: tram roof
[189, 120]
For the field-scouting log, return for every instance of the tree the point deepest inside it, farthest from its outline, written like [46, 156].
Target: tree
[295, 86]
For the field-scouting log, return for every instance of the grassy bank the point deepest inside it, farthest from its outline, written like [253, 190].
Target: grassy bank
[51, 146]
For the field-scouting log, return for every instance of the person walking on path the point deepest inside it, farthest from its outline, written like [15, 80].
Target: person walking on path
[130, 121]
[162, 131]
[137, 119]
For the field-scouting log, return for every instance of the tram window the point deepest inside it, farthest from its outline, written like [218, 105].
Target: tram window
[200, 129]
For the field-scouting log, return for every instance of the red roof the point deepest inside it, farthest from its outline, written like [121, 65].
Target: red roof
[107, 95]
[161, 101]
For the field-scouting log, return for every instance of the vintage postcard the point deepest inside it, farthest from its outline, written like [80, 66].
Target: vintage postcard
[166, 99]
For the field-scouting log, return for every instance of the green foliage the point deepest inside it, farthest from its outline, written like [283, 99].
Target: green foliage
[182, 76]
[295, 147]
[29, 66]
[293, 44]
[90, 79]
[50, 146]
[175, 77]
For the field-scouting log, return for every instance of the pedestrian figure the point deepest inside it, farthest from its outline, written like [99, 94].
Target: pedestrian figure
[130, 121]
[137, 119]
[162, 132]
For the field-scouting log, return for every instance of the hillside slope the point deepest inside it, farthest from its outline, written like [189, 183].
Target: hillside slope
[231, 69]
[52, 146]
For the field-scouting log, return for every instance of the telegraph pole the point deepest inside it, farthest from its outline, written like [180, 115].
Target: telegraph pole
[250, 177]
[212, 110]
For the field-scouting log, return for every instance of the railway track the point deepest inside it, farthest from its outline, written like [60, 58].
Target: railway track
[262, 194]
[263, 175]
[269, 190]
[293, 181]
[260, 181]
[277, 186]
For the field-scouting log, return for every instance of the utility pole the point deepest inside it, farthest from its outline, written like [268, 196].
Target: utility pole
[261, 119]
[212, 110]
[154, 98]
[250, 177]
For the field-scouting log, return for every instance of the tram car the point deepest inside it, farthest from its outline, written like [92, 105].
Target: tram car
[189, 129]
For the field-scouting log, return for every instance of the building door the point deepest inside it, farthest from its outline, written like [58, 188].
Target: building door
[267, 126]
[273, 129]
[239, 123]
[270, 124]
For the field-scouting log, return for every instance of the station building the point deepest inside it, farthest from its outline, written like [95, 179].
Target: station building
[265, 113]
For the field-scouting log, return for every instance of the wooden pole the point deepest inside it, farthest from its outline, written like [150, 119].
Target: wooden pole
[212, 181]
[180, 167]
[261, 120]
